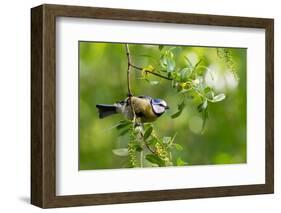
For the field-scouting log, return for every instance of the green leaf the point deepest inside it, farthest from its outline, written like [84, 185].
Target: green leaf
[160, 47]
[180, 109]
[202, 106]
[219, 97]
[196, 65]
[171, 64]
[163, 63]
[122, 124]
[176, 50]
[120, 152]
[174, 83]
[147, 132]
[155, 160]
[178, 147]
[209, 93]
[125, 131]
[188, 62]
[180, 162]
[152, 141]
[138, 148]
[167, 61]
[177, 114]
[184, 74]
[207, 90]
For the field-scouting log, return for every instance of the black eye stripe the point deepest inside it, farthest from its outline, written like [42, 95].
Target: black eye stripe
[160, 105]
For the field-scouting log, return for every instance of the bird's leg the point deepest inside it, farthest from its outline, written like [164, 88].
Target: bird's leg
[137, 123]
[134, 120]
[133, 111]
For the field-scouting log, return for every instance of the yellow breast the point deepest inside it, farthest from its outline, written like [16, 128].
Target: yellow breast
[143, 109]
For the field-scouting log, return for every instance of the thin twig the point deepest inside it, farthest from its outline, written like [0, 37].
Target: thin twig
[149, 148]
[136, 67]
[159, 75]
[129, 82]
[130, 92]
[151, 72]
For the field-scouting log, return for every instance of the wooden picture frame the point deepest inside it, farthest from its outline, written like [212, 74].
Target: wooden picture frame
[43, 105]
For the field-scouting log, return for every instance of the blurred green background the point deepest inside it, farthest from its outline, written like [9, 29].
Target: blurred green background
[102, 71]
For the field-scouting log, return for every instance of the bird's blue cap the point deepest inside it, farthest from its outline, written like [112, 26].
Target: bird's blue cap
[156, 101]
[160, 102]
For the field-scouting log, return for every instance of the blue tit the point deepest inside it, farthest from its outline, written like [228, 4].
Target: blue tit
[146, 108]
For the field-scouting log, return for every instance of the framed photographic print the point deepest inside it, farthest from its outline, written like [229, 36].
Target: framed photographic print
[136, 106]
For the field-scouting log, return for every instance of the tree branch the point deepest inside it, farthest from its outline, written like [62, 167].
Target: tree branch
[129, 82]
[159, 75]
[138, 68]
[128, 70]
[151, 72]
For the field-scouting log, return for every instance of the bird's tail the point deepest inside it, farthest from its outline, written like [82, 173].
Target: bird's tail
[106, 110]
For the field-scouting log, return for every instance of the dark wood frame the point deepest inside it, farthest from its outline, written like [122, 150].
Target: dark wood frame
[43, 105]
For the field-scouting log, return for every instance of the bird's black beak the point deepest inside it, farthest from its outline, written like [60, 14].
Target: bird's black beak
[167, 107]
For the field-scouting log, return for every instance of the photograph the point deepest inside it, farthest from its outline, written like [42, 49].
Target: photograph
[155, 105]
[170, 105]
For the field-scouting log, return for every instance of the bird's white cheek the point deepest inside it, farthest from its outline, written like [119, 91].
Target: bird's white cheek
[158, 109]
